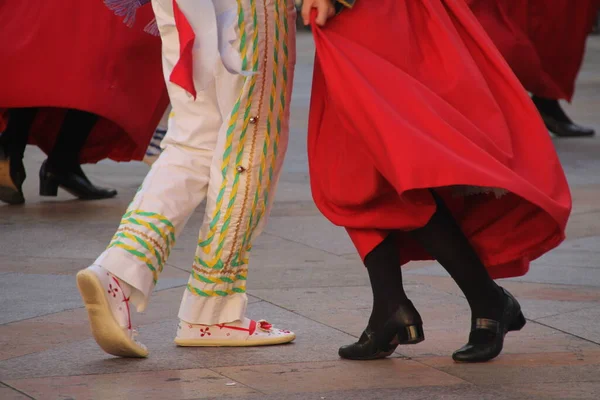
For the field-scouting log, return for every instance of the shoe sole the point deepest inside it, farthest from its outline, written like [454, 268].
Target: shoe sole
[556, 133]
[233, 343]
[384, 354]
[9, 193]
[377, 356]
[106, 330]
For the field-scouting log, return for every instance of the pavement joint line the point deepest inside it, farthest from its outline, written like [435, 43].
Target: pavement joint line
[584, 212]
[74, 308]
[572, 266]
[179, 268]
[17, 390]
[235, 380]
[509, 280]
[302, 244]
[565, 332]
[567, 312]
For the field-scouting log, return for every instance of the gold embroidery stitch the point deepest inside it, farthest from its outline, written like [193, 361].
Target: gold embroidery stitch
[223, 272]
[253, 145]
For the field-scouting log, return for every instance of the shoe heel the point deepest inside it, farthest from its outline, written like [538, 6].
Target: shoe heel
[48, 187]
[518, 323]
[411, 334]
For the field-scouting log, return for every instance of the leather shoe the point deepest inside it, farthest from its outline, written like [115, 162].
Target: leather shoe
[404, 327]
[73, 181]
[557, 121]
[487, 336]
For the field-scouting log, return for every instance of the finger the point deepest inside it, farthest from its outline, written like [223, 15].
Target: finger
[323, 14]
[331, 11]
[307, 6]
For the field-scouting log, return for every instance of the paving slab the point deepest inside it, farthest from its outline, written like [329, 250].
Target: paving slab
[453, 392]
[156, 385]
[317, 376]
[524, 369]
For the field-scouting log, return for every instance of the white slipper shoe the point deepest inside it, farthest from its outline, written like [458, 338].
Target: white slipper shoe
[235, 334]
[107, 302]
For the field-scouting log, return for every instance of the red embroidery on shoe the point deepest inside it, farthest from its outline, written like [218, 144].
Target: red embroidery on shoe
[125, 300]
[204, 332]
[250, 329]
[112, 290]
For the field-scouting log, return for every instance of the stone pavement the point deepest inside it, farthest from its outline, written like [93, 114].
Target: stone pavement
[305, 277]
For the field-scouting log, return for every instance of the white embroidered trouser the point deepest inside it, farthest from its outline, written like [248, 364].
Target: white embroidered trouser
[226, 146]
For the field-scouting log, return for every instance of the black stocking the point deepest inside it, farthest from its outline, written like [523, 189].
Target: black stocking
[73, 134]
[444, 240]
[383, 265]
[14, 139]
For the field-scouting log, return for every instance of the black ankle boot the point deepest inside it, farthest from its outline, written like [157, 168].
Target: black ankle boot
[73, 181]
[12, 176]
[557, 121]
[404, 327]
[487, 336]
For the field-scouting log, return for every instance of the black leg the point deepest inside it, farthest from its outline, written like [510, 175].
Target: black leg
[443, 238]
[12, 148]
[394, 319]
[15, 137]
[73, 134]
[385, 275]
[62, 168]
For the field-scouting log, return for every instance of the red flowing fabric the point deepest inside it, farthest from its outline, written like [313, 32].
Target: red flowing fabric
[183, 72]
[543, 41]
[77, 54]
[414, 95]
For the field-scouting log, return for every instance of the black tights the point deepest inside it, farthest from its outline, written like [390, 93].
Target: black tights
[443, 239]
[74, 131]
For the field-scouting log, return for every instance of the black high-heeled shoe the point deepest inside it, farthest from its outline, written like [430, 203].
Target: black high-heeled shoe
[12, 176]
[486, 339]
[557, 121]
[74, 182]
[404, 327]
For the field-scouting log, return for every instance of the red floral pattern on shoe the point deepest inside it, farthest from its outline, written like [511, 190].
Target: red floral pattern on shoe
[205, 332]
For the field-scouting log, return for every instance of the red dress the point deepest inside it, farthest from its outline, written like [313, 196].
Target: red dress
[542, 40]
[77, 54]
[411, 95]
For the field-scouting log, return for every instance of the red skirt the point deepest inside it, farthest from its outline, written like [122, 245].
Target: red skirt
[414, 95]
[78, 54]
[543, 41]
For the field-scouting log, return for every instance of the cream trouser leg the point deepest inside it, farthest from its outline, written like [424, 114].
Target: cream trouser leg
[226, 146]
